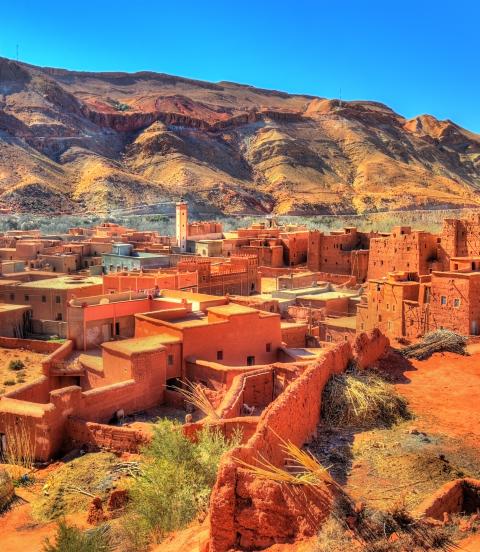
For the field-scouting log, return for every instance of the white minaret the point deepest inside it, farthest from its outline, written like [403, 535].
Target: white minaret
[181, 225]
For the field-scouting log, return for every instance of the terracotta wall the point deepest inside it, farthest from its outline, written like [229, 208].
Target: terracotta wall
[101, 436]
[252, 513]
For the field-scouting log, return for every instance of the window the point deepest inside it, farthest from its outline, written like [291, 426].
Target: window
[26, 297]
[44, 298]
[268, 347]
[59, 317]
[443, 300]
[219, 355]
[388, 306]
[393, 308]
[12, 297]
[58, 299]
[170, 360]
[250, 360]
[329, 338]
[389, 325]
[456, 303]
[117, 328]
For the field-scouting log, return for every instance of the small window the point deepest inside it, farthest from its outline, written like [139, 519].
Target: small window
[59, 317]
[250, 360]
[393, 308]
[44, 298]
[456, 303]
[388, 307]
[12, 297]
[170, 360]
[268, 347]
[329, 338]
[27, 297]
[219, 355]
[443, 300]
[58, 299]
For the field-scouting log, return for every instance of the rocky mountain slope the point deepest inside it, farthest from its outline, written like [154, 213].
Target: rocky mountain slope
[101, 141]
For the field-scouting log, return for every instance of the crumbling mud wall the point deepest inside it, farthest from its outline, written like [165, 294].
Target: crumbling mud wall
[367, 348]
[250, 513]
[460, 495]
[105, 437]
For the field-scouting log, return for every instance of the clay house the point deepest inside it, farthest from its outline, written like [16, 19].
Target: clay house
[48, 299]
[76, 392]
[340, 252]
[123, 257]
[150, 281]
[406, 305]
[404, 250]
[236, 275]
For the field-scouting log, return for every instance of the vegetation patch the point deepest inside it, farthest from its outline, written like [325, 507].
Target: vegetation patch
[70, 488]
[175, 483]
[71, 539]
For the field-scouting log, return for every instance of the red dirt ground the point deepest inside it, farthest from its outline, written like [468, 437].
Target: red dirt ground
[444, 393]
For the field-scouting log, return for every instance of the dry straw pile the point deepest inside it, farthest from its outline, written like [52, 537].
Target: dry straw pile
[434, 342]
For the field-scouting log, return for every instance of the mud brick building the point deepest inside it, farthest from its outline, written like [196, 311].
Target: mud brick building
[342, 252]
[236, 275]
[408, 305]
[49, 298]
[404, 250]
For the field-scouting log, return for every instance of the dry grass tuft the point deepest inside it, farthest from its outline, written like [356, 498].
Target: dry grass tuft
[195, 395]
[303, 468]
[361, 399]
[20, 446]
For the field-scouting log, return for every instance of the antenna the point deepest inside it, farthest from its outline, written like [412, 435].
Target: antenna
[17, 52]
[340, 102]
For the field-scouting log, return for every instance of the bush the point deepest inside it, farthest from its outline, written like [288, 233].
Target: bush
[71, 539]
[9, 382]
[175, 484]
[16, 365]
[361, 399]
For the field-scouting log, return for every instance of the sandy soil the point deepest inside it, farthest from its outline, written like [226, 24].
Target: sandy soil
[32, 370]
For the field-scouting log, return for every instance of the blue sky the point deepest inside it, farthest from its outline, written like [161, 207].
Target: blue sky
[419, 56]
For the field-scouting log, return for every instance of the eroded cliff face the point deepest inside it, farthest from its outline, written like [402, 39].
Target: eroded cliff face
[100, 141]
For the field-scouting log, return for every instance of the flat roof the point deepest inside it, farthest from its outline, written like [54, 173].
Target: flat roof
[189, 295]
[349, 322]
[327, 296]
[9, 308]
[232, 308]
[140, 344]
[64, 282]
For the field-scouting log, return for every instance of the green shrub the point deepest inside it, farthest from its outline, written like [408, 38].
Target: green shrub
[175, 484]
[71, 539]
[16, 365]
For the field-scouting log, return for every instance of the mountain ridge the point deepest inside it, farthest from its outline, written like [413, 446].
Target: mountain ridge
[86, 141]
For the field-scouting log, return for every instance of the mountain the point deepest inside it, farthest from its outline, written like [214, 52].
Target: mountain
[79, 141]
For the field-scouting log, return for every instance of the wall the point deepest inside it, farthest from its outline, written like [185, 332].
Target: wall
[251, 513]
[102, 436]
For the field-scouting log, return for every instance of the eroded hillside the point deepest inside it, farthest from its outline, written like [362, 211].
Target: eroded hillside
[101, 141]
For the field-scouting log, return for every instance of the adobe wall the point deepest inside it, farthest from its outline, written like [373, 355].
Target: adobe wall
[368, 347]
[295, 336]
[37, 391]
[35, 345]
[451, 498]
[252, 513]
[444, 315]
[60, 354]
[101, 436]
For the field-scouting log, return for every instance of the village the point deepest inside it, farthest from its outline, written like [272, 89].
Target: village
[120, 325]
